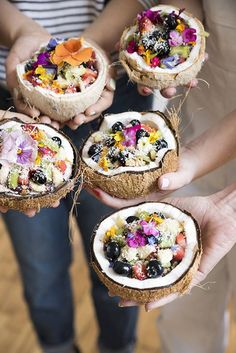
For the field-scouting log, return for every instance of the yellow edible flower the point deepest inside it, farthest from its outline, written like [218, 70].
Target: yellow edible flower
[180, 27]
[38, 160]
[157, 219]
[118, 136]
[40, 70]
[103, 163]
[110, 232]
[154, 136]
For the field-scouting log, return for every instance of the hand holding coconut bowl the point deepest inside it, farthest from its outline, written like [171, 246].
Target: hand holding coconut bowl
[68, 81]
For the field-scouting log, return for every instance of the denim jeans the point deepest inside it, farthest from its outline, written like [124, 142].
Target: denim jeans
[43, 251]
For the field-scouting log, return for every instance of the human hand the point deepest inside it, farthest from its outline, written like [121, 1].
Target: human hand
[22, 49]
[216, 216]
[166, 183]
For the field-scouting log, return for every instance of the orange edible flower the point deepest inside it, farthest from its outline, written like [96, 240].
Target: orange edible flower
[71, 52]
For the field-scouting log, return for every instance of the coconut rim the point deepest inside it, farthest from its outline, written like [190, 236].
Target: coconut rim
[154, 168]
[102, 67]
[143, 67]
[75, 168]
[198, 251]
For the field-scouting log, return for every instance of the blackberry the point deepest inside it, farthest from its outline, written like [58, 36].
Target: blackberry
[38, 177]
[112, 250]
[170, 21]
[162, 47]
[94, 151]
[110, 141]
[159, 144]
[112, 154]
[154, 269]
[135, 122]
[122, 157]
[122, 268]
[118, 126]
[141, 133]
[131, 219]
[57, 140]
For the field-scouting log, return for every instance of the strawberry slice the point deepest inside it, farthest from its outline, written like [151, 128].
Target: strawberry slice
[139, 271]
[178, 252]
[180, 240]
[61, 165]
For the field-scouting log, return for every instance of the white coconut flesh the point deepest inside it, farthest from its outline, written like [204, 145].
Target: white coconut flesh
[180, 67]
[20, 69]
[65, 153]
[152, 119]
[192, 246]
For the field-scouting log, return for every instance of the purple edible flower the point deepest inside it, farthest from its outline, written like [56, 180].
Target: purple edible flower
[189, 35]
[52, 44]
[149, 228]
[155, 61]
[171, 61]
[42, 59]
[132, 46]
[136, 240]
[153, 16]
[130, 135]
[176, 39]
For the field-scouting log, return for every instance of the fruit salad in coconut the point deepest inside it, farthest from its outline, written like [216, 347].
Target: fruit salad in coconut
[38, 165]
[129, 152]
[164, 48]
[63, 78]
[147, 252]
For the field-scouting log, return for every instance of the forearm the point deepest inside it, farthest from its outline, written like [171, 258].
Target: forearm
[215, 147]
[14, 24]
[108, 27]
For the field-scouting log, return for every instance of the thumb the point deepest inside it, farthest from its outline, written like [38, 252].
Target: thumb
[173, 181]
[11, 63]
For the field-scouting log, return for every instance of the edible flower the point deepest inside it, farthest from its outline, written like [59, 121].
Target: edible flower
[130, 135]
[154, 16]
[176, 39]
[155, 62]
[42, 59]
[153, 136]
[132, 46]
[71, 52]
[189, 35]
[118, 136]
[181, 26]
[149, 228]
[111, 232]
[135, 240]
[171, 61]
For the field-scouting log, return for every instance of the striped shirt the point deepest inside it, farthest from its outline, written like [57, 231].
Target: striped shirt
[61, 18]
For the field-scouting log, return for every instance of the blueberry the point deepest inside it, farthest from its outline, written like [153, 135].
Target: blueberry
[112, 250]
[159, 144]
[0, 165]
[28, 66]
[38, 176]
[170, 21]
[122, 157]
[57, 140]
[94, 151]
[162, 48]
[110, 141]
[141, 133]
[122, 268]
[118, 126]
[131, 219]
[135, 122]
[154, 269]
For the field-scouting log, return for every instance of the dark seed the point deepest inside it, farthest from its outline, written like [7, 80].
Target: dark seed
[118, 126]
[131, 219]
[112, 250]
[38, 176]
[154, 269]
[159, 144]
[122, 268]
[57, 140]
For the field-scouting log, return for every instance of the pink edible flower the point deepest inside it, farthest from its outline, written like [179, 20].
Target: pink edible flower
[135, 240]
[130, 135]
[189, 35]
[155, 61]
[176, 39]
[149, 228]
[132, 46]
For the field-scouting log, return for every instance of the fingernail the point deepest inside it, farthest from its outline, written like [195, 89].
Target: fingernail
[92, 113]
[96, 192]
[112, 84]
[164, 183]
[146, 90]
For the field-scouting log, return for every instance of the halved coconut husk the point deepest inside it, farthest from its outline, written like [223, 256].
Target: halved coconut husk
[144, 291]
[132, 182]
[63, 107]
[37, 200]
[139, 72]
